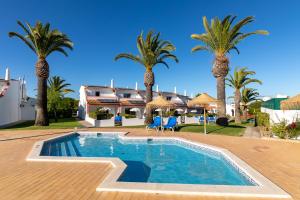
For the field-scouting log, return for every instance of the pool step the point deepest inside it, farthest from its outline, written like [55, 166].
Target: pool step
[61, 148]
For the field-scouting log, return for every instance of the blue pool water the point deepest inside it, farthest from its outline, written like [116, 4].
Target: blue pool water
[152, 160]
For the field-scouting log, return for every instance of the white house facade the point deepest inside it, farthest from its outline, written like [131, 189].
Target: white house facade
[15, 105]
[122, 100]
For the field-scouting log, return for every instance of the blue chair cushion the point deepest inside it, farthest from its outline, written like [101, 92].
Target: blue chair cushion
[156, 123]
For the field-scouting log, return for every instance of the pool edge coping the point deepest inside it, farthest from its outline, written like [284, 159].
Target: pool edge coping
[264, 189]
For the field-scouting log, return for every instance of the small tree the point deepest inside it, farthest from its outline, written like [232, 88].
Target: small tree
[239, 79]
[57, 88]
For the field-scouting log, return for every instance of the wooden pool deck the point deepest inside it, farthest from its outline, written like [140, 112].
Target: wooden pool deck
[277, 160]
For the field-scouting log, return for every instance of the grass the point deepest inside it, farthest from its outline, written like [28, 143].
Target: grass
[232, 129]
[67, 123]
[61, 124]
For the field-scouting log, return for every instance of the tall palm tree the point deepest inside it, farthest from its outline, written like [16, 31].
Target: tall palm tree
[248, 95]
[152, 51]
[57, 88]
[42, 41]
[220, 37]
[238, 80]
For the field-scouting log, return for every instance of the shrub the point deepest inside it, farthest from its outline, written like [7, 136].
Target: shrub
[263, 119]
[282, 130]
[93, 114]
[211, 114]
[222, 121]
[292, 130]
[254, 107]
[128, 116]
[191, 114]
[100, 114]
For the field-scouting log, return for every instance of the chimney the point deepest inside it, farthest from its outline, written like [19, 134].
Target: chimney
[184, 92]
[7, 74]
[175, 90]
[136, 85]
[112, 83]
[157, 88]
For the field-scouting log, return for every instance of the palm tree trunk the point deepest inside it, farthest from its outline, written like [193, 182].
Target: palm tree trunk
[42, 72]
[237, 106]
[55, 116]
[221, 95]
[245, 113]
[41, 103]
[220, 71]
[148, 119]
[149, 82]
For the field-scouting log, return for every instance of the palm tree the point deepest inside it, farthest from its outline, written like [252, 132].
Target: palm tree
[42, 41]
[220, 37]
[238, 80]
[57, 88]
[248, 95]
[152, 51]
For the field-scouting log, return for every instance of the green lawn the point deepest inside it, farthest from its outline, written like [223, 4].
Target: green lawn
[61, 124]
[232, 129]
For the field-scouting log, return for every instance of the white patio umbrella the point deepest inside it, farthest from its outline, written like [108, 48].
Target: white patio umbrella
[135, 109]
[179, 110]
[105, 108]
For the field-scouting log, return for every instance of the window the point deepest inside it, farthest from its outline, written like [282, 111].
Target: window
[169, 98]
[97, 93]
[127, 95]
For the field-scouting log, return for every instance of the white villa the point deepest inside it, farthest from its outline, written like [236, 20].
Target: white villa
[122, 100]
[15, 105]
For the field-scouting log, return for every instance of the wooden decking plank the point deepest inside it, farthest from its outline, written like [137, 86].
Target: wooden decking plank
[19, 179]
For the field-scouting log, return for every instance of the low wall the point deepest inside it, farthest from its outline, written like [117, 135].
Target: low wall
[277, 116]
[100, 123]
[190, 120]
[132, 121]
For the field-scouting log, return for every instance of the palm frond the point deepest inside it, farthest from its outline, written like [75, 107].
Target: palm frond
[42, 40]
[221, 36]
[198, 48]
[152, 51]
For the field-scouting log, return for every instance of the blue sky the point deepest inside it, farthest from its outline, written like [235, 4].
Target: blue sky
[102, 29]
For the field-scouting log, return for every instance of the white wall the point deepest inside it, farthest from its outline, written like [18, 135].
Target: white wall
[13, 108]
[277, 116]
[132, 121]
[10, 105]
[82, 103]
[100, 123]
[28, 109]
[190, 120]
[229, 108]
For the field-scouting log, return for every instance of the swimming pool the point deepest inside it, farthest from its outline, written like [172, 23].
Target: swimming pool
[152, 160]
[170, 165]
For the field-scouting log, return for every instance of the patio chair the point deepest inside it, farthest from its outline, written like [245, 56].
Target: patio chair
[155, 125]
[211, 119]
[118, 120]
[172, 124]
[201, 119]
